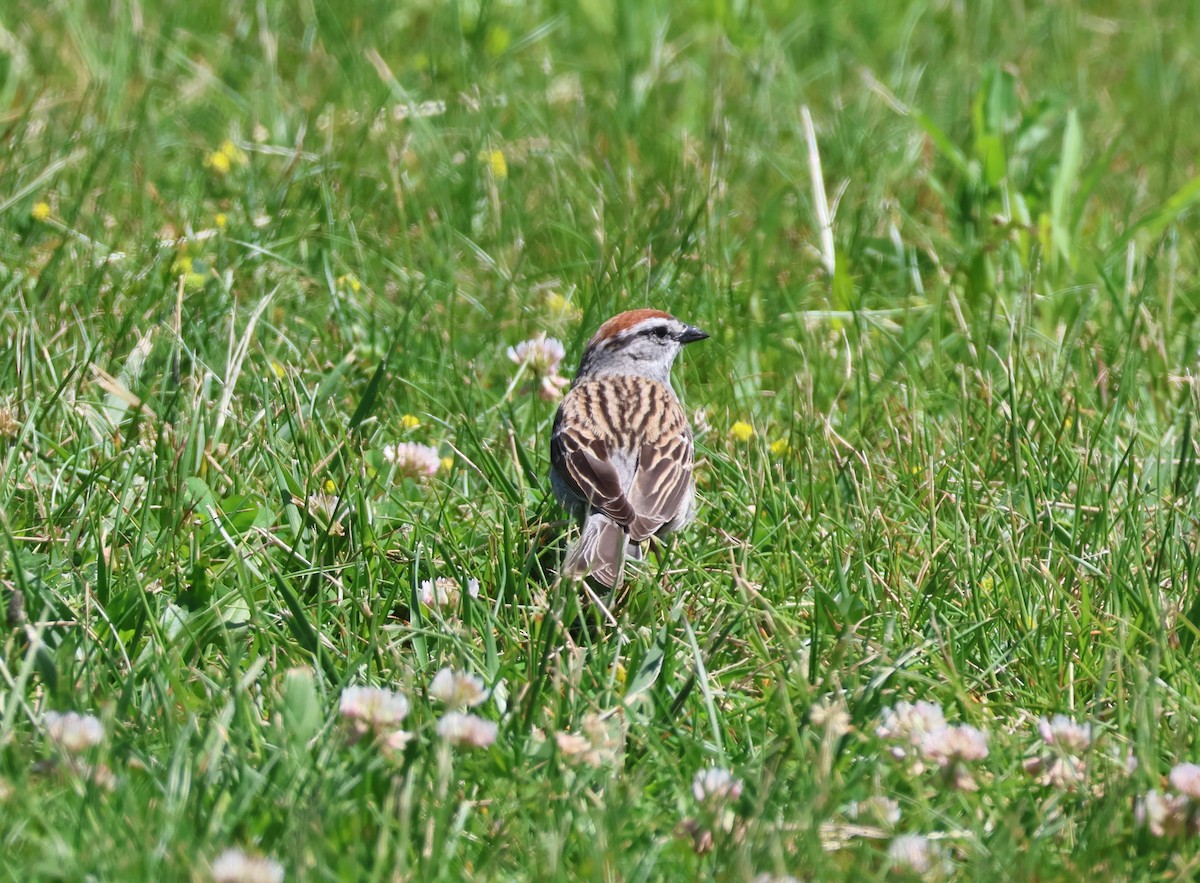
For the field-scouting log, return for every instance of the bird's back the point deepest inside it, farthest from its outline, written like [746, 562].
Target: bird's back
[603, 432]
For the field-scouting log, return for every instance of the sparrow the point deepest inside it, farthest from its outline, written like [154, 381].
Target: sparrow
[621, 450]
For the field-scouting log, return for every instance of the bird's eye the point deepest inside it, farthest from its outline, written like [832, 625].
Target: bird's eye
[659, 331]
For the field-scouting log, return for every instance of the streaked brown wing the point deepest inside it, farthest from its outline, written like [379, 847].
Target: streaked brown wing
[583, 458]
[595, 417]
[662, 484]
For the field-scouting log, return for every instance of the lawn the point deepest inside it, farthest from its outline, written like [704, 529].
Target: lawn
[277, 542]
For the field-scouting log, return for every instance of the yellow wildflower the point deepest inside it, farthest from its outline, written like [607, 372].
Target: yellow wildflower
[447, 463]
[225, 158]
[184, 267]
[561, 308]
[408, 421]
[40, 211]
[220, 220]
[218, 162]
[780, 447]
[235, 154]
[330, 487]
[742, 431]
[349, 280]
[498, 164]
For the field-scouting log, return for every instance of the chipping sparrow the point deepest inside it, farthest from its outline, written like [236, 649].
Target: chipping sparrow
[621, 452]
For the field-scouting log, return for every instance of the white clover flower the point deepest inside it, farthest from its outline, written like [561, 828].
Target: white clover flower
[606, 732]
[1130, 765]
[322, 505]
[907, 724]
[469, 730]
[74, 732]
[1164, 815]
[1185, 778]
[552, 386]
[396, 741]
[457, 689]
[831, 713]
[1063, 772]
[413, 460]
[1062, 767]
[952, 744]
[235, 866]
[444, 593]
[714, 789]
[323, 509]
[573, 745]
[885, 809]
[1064, 733]
[916, 854]
[920, 734]
[716, 786]
[953, 747]
[602, 738]
[98, 774]
[541, 357]
[372, 708]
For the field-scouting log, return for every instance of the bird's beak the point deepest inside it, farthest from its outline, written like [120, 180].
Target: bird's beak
[691, 334]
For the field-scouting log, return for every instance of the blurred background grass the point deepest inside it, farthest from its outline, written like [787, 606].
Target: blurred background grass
[238, 241]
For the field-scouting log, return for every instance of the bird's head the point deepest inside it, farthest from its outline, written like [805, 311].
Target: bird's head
[638, 342]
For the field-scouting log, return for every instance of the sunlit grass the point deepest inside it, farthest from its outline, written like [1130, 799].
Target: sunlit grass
[281, 294]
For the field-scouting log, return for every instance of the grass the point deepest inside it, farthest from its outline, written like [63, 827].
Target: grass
[972, 478]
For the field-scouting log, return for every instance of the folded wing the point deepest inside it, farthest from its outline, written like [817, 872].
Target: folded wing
[634, 464]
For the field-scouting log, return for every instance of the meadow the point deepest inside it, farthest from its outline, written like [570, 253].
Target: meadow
[277, 544]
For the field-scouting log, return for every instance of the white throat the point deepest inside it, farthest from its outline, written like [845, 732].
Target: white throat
[640, 360]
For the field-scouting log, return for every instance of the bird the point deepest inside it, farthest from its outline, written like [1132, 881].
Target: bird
[621, 449]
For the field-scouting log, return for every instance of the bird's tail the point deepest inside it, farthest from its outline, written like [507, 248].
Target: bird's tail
[600, 552]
